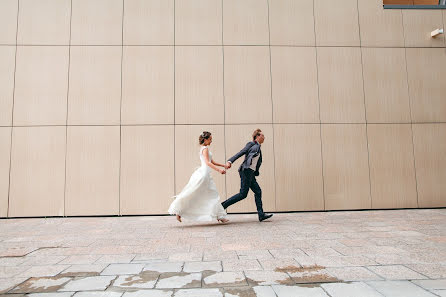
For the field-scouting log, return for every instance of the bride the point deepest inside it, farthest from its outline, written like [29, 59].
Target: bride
[199, 200]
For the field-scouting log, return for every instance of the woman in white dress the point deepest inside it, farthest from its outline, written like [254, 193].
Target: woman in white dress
[199, 200]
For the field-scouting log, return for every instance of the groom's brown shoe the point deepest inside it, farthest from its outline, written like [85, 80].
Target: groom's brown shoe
[265, 216]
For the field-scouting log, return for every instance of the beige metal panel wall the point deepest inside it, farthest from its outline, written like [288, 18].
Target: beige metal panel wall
[336, 23]
[148, 22]
[8, 21]
[350, 97]
[430, 163]
[392, 172]
[294, 85]
[7, 68]
[41, 85]
[380, 27]
[187, 155]
[198, 22]
[37, 171]
[417, 26]
[95, 85]
[385, 85]
[247, 84]
[147, 169]
[199, 85]
[299, 184]
[341, 92]
[44, 22]
[426, 69]
[92, 170]
[245, 22]
[291, 22]
[147, 85]
[346, 166]
[5, 153]
[97, 22]
[237, 136]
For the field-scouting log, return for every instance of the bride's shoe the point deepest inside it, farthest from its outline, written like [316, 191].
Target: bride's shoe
[224, 221]
[179, 218]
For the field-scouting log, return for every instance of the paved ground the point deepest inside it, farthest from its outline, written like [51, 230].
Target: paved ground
[357, 254]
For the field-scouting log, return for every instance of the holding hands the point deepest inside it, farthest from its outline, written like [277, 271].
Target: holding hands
[226, 166]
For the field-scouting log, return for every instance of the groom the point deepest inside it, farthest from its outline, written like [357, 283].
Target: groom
[248, 172]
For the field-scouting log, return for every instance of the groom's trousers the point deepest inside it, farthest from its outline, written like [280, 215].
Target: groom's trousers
[248, 181]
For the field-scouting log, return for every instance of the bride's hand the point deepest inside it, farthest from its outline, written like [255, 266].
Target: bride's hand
[222, 171]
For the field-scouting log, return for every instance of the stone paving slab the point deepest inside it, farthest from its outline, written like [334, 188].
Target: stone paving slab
[80, 259]
[369, 253]
[42, 260]
[58, 294]
[143, 280]
[83, 270]
[241, 265]
[353, 274]
[396, 272]
[7, 284]
[98, 294]
[164, 266]
[399, 289]
[45, 270]
[202, 266]
[179, 280]
[199, 293]
[439, 284]
[93, 283]
[12, 261]
[264, 278]
[296, 291]
[41, 284]
[115, 269]
[225, 279]
[355, 289]
[430, 270]
[149, 293]
[9, 272]
[109, 259]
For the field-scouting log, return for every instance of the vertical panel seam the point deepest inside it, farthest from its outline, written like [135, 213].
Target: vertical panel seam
[444, 25]
[67, 110]
[365, 107]
[120, 111]
[272, 106]
[174, 102]
[12, 111]
[410, 112]
[224, 99]
[319, 101]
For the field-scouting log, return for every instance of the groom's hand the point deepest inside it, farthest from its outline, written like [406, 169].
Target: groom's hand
[228, 165]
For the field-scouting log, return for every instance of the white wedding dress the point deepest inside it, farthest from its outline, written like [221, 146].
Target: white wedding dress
[199, 200]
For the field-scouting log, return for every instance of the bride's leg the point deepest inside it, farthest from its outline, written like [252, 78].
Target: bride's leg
[179, 218]
[223, 220]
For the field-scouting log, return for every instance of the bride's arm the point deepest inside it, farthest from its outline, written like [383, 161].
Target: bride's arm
[209, 163]
[217, 164]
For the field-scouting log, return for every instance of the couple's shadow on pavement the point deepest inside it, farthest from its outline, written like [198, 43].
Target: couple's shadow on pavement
[232, 222]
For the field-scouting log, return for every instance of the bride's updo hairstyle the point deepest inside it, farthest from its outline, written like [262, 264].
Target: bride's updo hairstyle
[203, 136]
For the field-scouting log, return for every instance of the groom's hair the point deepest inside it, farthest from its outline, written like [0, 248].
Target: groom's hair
[255, 134]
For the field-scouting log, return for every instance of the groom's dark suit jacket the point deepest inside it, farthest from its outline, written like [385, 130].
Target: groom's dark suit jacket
[251, 150]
